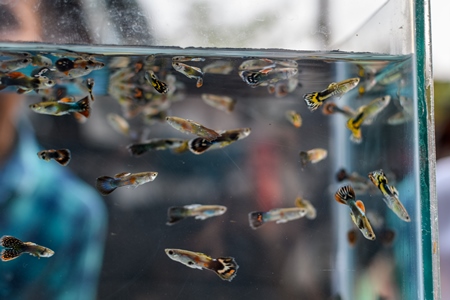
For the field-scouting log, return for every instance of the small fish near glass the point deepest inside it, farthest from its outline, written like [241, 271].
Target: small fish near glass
[365, 116]
[278, 215]
[106, 185]
[15, 248]
[294, 118]
[227, 137]
[160, 86]
[198, 211]
[78, 67]
[62, 107]
[223, 103]
[139, 149]
[267, 76]
[189, 126]
[61, 156]
[224, 267]
[312, 156]
[315, 99]
[390, 194]
[189, 72]
[346, 195]
[24, 83]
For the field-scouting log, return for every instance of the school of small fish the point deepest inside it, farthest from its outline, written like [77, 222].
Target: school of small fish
[148, 86]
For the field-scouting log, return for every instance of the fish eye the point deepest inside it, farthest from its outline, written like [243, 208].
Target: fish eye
[170, 252]
[26, 60]
[190, 263]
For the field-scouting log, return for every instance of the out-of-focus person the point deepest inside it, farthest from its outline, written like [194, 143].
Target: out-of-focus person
[40, 201]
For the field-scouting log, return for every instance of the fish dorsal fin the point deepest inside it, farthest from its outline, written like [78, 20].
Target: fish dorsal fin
[332, 85]
[16, 75]
[299, 202]
[122, 175]
[192, 206]
[360, 205]
[394, 191]
[67, 100]
[266, 71]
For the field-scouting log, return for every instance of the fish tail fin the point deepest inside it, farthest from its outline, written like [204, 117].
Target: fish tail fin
[85, 108]
[176, 214]
[356, 136]
[199, 145]
[63, 157]
[8, 241]
[79, 117]
[344, 193]
[256, 219]
[136, 149]
[105, 185]
[312, 101]
[10, 254]
[184, 147]
[199, 82]
[226, 268]
[304, 157]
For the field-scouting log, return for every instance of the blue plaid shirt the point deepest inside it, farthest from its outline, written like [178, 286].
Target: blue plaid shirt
[44, 203]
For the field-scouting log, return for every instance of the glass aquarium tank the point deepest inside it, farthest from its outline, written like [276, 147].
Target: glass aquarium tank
[287, 148]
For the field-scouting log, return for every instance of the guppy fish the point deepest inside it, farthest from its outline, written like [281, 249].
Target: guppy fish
[405, 114]
[188, 126]
[313, 156]
[315, 99]
[61, 156]
[227, 137]
[14, 64]
[78, 67]
[257, 64]
[282, 88]
[219, 67]
[63, 107]
[15, 247]
[366, 114]
[310, 210]
[155, 144]
[346, 195]
[189, 72]
[223, 103]
[199, 212]
[160, 86]
[106, 185]
[294, 117]
[41, 61]
[24, 83]
[278, 215]
[264, 63]
[224, 267]
[186, 58]
[119, 124]
[267, 76]
[390, 193]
